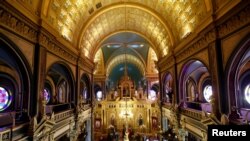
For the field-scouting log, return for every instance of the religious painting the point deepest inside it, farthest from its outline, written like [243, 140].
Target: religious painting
[140, 120]
[98, 123]
[154, 122]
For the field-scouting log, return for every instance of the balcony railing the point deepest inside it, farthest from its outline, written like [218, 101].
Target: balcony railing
[191, 113]
[63, 115]
[57, 108]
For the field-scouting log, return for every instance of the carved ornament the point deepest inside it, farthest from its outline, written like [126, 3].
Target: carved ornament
[235, 22]
[17, 25]
[197, 46]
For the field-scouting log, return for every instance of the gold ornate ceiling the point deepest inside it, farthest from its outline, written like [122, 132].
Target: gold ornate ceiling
[162, 22]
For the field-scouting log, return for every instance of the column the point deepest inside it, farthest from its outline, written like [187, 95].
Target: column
[38, 106]
[216, 77]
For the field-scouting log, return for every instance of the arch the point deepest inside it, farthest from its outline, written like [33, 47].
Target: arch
[61, 73]
[98, 88]
[192, 70]
[167, 88]
[85, 88]
[121, 5]
[93, 34]
[12, 57]
[121, 58]
[232, 71]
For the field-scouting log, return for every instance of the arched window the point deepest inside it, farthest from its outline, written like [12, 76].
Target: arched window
[190, 91]
[99, 95]
[167, 88]
[247, 93]
[85, 93]
[207, 92]
[62, 92]
[5, 98]
[152, 95]
[85, 88]
[47, 95]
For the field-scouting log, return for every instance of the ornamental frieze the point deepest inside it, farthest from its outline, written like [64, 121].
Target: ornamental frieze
[235, 22]
[197, 46]
[50, 44]
[18, 26]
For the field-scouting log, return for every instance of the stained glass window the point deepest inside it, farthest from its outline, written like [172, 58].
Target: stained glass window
[247, 93]
[207, 93]
[46, 94]
[5, 99]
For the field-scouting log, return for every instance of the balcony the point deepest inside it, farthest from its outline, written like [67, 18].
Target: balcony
[196, 114]
[57, 108]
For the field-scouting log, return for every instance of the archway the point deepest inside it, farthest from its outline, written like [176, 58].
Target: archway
[237, 78]
[15, 83]
[63, 98]
[195, 87]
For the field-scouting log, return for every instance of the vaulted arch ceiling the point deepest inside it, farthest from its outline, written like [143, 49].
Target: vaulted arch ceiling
[123, 59]
[125, 19]
[163, 22]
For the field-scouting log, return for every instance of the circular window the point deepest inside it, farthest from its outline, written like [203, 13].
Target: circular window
[247, 93]
[46, 95]
[5, 99]
[207, 93]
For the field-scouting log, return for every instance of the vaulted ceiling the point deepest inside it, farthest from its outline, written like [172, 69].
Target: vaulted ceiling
[87, 23]
[90, 27]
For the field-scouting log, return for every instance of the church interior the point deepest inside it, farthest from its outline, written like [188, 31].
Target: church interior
[122, 70]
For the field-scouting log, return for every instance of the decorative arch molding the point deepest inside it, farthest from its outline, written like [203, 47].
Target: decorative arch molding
[65, 75]
[232, 71]
[185, 74]
[121, 58]
[13, 57]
